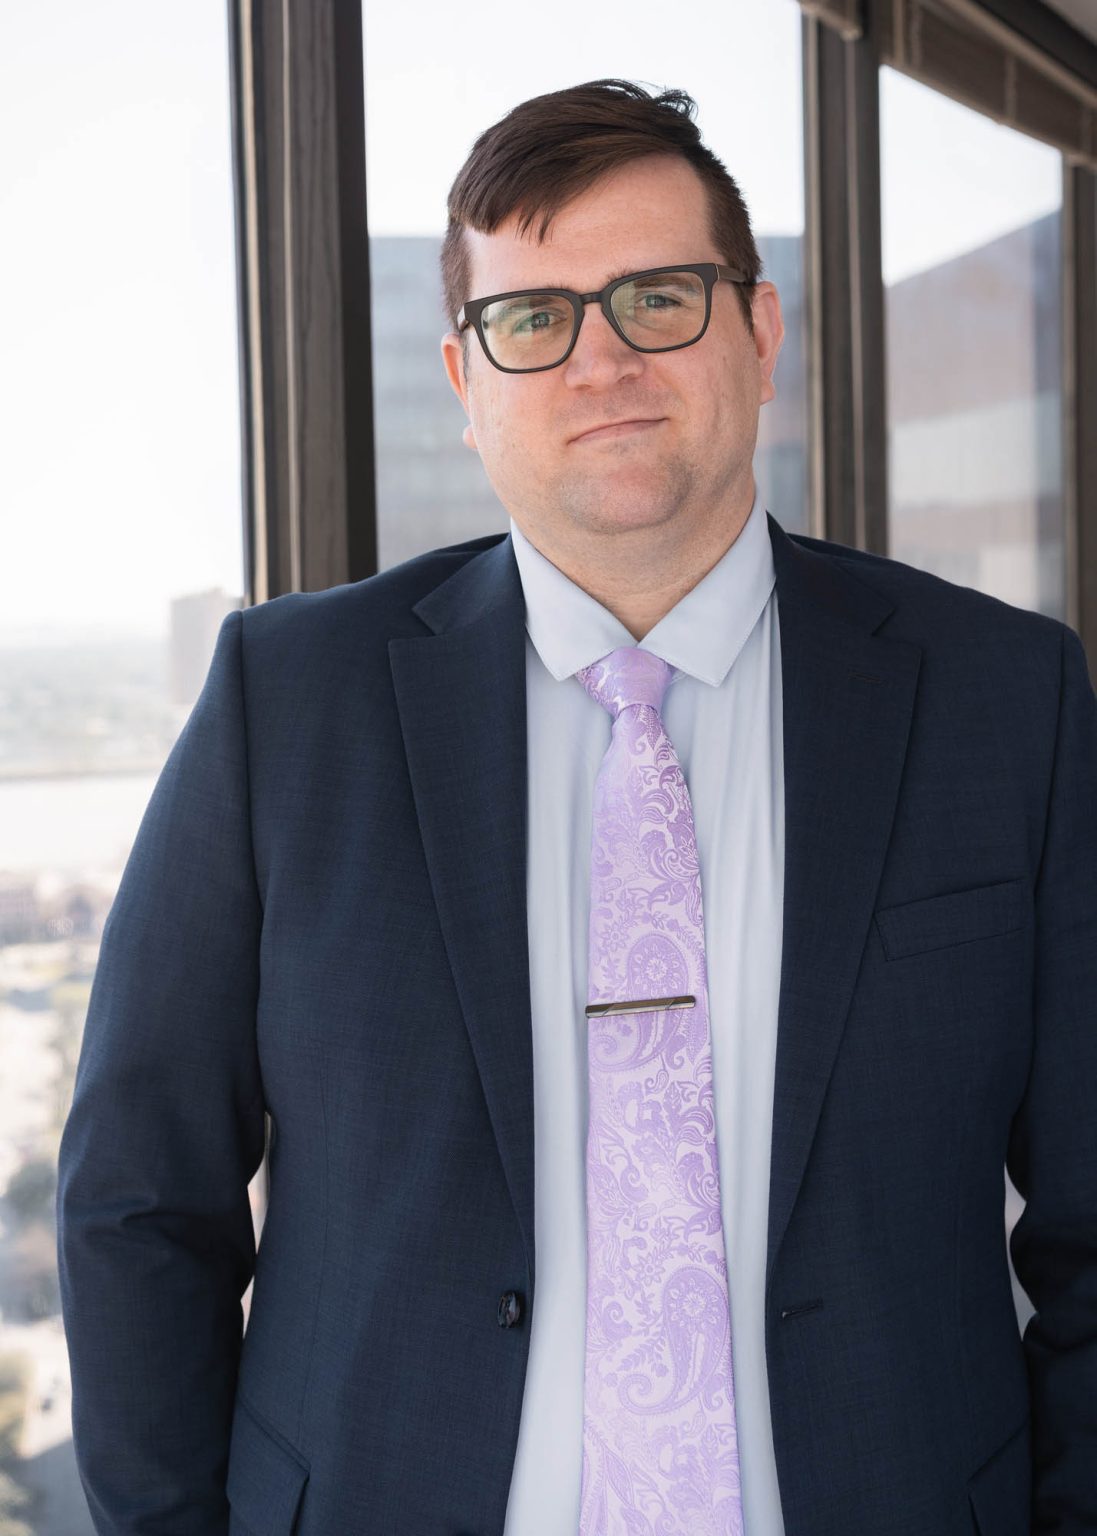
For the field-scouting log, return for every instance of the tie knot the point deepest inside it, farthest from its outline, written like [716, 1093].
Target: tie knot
[627, 676]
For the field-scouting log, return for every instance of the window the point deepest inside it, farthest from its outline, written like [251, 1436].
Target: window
[971, 250]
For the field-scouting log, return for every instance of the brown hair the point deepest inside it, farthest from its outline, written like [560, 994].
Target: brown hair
[549, 149]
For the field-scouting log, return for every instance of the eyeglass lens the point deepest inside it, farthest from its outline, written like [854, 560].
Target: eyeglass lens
[534, 330]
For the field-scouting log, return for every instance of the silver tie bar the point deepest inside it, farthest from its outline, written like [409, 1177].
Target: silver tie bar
[641, 1005]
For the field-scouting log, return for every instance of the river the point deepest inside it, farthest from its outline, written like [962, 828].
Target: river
[67, 826]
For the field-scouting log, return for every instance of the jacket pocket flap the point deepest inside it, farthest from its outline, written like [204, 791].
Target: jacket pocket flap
[266, 1478]
[1001, 1490]
[954, 918]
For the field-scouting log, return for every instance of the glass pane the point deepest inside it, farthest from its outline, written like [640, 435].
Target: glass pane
[971, 236]
[431, 489]
[120, 484]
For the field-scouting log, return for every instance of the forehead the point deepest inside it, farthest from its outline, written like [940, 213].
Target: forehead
[648, 213]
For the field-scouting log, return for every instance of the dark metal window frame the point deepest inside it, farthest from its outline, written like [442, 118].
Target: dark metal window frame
[306, 391]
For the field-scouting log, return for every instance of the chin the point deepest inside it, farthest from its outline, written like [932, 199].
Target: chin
[631, 513]
[630, 495]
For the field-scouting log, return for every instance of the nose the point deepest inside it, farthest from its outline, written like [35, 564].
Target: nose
[599, 356]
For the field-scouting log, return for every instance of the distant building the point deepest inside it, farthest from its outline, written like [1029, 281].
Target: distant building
[976, 417]
[40, 908]
[77, 912]
[18, 909]
[195, 621]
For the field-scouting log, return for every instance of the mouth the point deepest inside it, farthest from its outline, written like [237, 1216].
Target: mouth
[618, 429]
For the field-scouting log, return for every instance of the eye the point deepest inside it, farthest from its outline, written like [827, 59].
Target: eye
[665, 292]
[535, 320]
[531, 315]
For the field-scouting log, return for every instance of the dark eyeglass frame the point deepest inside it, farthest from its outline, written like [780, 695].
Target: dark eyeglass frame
[710, 272]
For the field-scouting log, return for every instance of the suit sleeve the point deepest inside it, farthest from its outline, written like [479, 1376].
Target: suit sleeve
[155, 1238]
[1052, 1154]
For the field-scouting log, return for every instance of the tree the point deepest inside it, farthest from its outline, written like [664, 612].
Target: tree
[32, 1190]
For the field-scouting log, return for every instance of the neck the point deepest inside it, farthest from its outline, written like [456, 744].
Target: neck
[639, 584]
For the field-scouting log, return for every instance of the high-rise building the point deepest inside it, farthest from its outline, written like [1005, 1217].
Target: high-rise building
[195, 621]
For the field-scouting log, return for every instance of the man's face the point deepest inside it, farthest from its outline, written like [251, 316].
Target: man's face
[694, 463]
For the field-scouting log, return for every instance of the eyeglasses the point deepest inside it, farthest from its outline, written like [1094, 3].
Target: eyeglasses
[654, 311]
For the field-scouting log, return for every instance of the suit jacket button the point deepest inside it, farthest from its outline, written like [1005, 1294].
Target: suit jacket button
[510, 1309]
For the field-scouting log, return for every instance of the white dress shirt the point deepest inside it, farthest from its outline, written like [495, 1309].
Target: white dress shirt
[722, 711]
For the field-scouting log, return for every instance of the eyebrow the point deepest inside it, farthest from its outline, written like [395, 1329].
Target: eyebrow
[612, 278]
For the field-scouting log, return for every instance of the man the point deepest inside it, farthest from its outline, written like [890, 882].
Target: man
[372, 896]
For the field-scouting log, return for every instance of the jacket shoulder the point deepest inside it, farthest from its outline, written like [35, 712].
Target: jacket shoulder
[353, 611]
[929, 608]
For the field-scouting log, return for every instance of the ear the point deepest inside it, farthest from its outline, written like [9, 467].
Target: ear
[454, 362]
[769, 333]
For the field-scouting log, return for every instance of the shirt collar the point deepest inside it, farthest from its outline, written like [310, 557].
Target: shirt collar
[701, 635]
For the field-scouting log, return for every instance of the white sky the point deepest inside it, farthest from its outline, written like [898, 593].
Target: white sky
[119, 413]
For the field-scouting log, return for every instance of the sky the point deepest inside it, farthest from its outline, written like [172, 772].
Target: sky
[119, 390]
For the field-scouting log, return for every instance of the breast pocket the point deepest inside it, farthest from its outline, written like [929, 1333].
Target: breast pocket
[266, 1479]
[956, 917]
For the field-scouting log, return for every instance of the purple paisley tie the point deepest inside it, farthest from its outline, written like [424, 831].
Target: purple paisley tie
[660, 1453]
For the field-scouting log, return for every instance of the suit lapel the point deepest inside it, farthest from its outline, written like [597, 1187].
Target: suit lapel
[461, 694]
[847, 709]
[848, 701]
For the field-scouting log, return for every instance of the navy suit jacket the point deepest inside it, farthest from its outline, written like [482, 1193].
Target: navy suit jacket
[323, 917]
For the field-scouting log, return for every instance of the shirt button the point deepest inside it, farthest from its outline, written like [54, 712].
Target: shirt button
[510, 1309]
